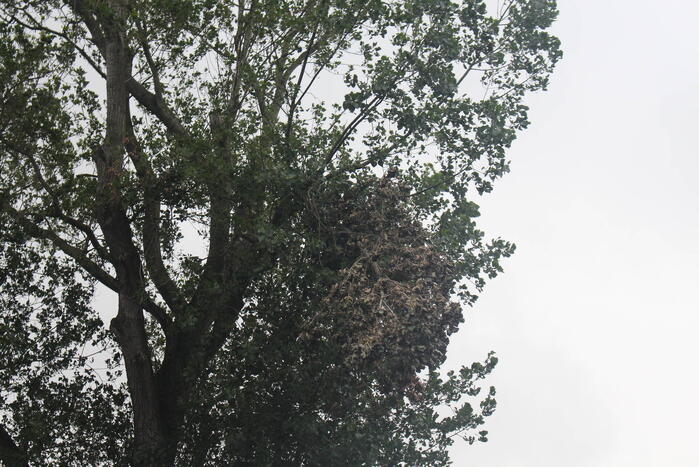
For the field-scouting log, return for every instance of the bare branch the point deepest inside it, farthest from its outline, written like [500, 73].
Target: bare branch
[302, 72]
[143, 41]
[361, 116]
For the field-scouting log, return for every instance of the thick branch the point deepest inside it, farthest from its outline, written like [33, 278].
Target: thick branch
[157, 107]
[220, 208]
[82, 11]
[10, 454]
[152, 102]
[151, 226]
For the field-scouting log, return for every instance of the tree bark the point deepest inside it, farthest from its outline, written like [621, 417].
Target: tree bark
[10, 454]
[151, 447]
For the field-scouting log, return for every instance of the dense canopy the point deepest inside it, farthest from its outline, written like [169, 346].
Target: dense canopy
[324, 155]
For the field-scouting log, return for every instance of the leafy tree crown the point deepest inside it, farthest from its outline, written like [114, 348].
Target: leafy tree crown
[325, 153]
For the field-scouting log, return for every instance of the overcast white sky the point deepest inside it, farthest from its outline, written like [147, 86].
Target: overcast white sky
[595, 319]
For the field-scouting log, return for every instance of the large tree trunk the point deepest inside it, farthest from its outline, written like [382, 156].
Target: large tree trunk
[151, 448]
[10, 454]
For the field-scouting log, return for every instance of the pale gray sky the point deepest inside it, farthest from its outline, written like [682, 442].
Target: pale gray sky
[595, 320]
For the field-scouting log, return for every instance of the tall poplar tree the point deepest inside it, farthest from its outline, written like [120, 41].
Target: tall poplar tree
[325, 153]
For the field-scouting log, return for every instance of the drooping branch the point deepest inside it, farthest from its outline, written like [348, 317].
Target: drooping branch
[72, 251]
[80, 257]
[58, 212]
[38, 26]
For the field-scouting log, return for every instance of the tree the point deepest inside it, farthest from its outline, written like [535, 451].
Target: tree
[325, 152]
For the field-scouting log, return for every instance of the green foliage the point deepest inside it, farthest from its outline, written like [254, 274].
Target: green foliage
[48, 340]
[327, 152]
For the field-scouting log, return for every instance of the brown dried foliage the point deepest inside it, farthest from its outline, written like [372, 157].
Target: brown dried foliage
[390, 309]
